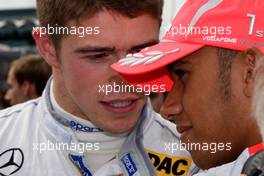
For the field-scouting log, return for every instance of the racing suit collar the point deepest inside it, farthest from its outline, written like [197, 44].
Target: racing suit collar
[76, 120]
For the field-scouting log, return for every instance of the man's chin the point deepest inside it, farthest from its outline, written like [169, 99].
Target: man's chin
[119, 128]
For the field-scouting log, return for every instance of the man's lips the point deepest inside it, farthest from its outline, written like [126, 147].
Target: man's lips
[120, 105]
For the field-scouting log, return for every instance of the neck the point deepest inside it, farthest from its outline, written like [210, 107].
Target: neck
[255, 137]
[64, 100]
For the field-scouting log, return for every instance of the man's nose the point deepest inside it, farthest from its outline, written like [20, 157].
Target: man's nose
[172, 105]
[121, 54]
[115, 76]
[7, 96]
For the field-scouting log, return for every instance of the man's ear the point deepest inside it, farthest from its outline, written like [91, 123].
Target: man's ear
[252, 55]
[28, 89]
[46, 48]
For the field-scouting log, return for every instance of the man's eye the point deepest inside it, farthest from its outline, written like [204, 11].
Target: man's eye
[179, 73]
[135, 50]
[98, 56]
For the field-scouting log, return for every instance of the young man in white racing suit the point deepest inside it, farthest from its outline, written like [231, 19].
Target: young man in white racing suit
[79, 126]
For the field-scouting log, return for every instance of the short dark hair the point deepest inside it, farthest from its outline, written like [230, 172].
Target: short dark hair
[59, 12]
[31, 68]
[226, 57]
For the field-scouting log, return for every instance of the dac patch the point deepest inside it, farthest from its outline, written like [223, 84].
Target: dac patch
[169, 165]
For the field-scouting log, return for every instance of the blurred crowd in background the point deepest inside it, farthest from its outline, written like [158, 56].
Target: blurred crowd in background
[23, 73]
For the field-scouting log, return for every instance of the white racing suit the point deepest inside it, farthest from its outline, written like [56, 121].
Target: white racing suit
[233, 168]
[148, 150]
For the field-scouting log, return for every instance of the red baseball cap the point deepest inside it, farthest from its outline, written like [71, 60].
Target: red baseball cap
[236, 24]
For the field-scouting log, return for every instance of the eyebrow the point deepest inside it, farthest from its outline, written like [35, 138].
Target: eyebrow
[181, 62]
[89, 48]
[144, 45]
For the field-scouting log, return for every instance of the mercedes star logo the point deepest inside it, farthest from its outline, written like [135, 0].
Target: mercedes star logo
[11, 161]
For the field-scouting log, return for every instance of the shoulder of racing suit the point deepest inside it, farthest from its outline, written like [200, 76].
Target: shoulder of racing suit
[15, 119]
[234, 168]
[25, 137]
[16, 109]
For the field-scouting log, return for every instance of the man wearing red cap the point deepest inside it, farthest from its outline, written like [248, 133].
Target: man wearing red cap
[76, 128]
[209, 54]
